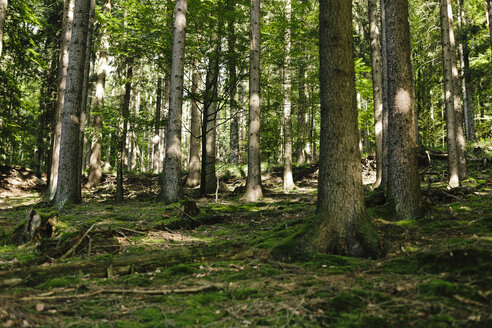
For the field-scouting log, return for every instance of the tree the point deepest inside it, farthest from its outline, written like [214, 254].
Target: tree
[95, 171]
[3, 16]
[193, 178]
[288, 179]
[253, 183]
[377, 81]
[172, 163]
[453, 169]
[156, 158]
[231, 63]
[341, 226]
[489, 15]
[68, 189]
[385, 105]
[403, 185]
[68, 12]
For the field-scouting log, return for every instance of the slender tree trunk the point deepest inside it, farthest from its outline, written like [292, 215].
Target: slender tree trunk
[301, 117]
[377, 89]
[385, 105]
[234, 110]
[453, 168]
[172, 165]
[3, 16]
[253, 184]
[122, 153]
[489, 19]
[460, 136]
[95, 170]
[403, 185]
[157, 128]
[193, 178]
[62, 81]
[68, 189]
[341, 226]
[288, 178]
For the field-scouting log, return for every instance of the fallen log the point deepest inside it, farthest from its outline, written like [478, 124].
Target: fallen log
[124, 264]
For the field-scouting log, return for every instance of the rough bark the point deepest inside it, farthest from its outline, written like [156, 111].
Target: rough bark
[453, 168]
[340, 225]
[172, 165]
[125, 112]
[3, 16]
[193, 178]
[95, 170]
[68, 189]
[60, 96]
[403, 185]
[489, 15]
[377, 89]
[288, 178]
[253, 185]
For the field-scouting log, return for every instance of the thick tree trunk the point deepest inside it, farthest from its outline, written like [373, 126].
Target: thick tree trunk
[453, 168]
[253, 184]
[68, 189]
[460, 136]
[3, 16]
[157, 128]
[340, 226]
[172, 165]
[403, 183]
[288, 178]
[60, 97]
[384, 88]
[95, 170]
[122, 153]
[377, 89]
[193, 178]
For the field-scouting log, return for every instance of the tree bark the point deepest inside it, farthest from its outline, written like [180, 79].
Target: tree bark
[489, 19]
[460, 136]
[193, 178]
[384, 88]
[157, 128]
[3, 16]
[68, 189]
[302, 135]
[95, 170]
[172, 165]
[403, 185]
[340, 225]
[125, 112]
[288, 178]
[453, 168]
[253, 184]
[234, 110]
[377, 88]
[62, 81]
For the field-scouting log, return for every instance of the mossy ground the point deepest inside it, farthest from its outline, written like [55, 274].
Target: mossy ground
[437, 273]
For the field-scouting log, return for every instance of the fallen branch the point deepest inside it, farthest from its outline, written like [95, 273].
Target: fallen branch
[74, 247]
[166, 291]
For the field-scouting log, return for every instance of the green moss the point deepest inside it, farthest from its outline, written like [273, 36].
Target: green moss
[60, 282]
[242, 294]
[346, 302]
[438, 287]
[137, 280]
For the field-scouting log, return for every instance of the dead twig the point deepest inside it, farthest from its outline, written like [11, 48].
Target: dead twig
[189, 216]
[74, 247]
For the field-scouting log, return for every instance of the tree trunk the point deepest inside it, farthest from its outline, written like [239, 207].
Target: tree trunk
[193, 178]
[384, 88]
[403, 185]
[377, 81]
[62, 81]
[340, 226]
[489, 19]
[460, 136]
[172, 165]
[234, 111]
[301, 117]
[122, 153]
[68, 189]
[157, 128]
[288, 179]
[253, 184]
[3, 16]
[95, 170]
[453, 168]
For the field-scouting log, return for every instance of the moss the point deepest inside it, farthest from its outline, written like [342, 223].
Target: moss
[60, 282]
[439, 287]
[137, 280]
[245, 293]
[346, 302]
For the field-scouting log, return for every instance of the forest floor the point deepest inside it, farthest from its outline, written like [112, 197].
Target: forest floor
[140, 263]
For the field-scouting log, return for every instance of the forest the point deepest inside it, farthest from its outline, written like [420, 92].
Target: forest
[245, 163]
